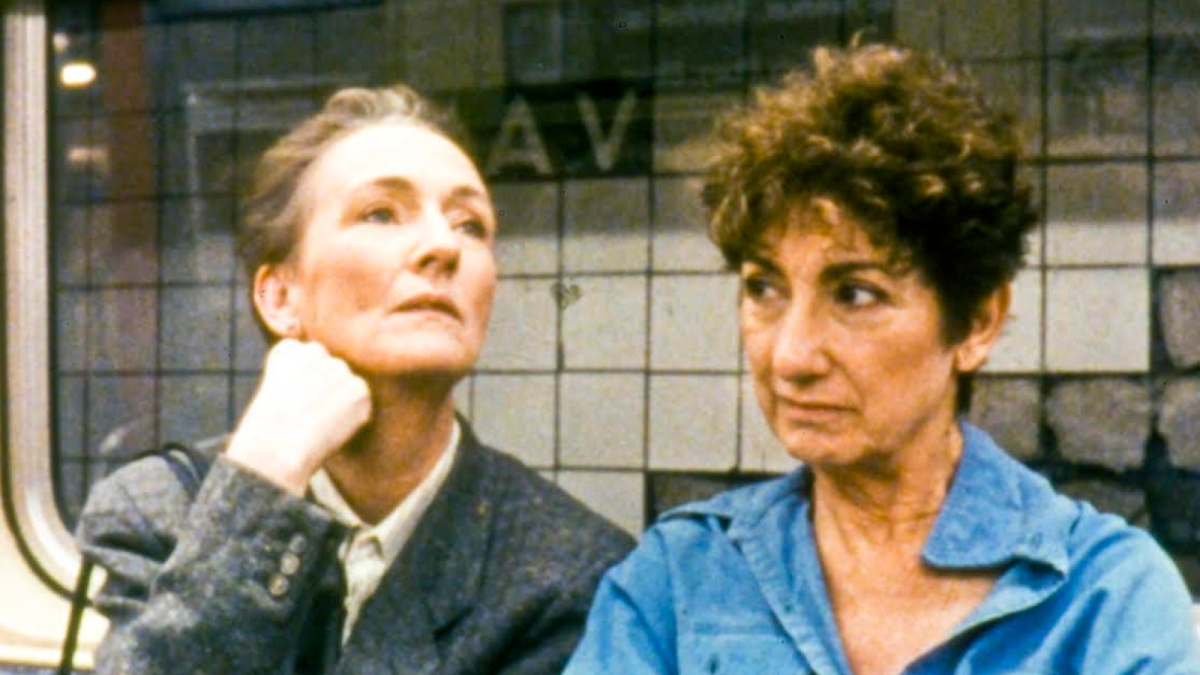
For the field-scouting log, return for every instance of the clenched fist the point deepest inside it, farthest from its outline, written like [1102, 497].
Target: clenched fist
[308, 405]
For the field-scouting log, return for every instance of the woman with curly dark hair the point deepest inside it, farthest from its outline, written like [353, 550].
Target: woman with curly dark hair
[873, 213]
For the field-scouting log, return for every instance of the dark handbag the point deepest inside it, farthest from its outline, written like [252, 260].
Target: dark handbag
[189, 465]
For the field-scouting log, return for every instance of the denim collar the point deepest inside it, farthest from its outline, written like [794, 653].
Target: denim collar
[995, 513]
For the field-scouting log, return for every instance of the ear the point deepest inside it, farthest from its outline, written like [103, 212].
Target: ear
[972, 352]
[275, 300]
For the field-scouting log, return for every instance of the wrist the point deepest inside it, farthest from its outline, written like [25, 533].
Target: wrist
[273, 460]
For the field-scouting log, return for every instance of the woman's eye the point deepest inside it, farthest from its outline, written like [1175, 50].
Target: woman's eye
[380, 214]
[756, 286]
[474, 227]
[858, 295]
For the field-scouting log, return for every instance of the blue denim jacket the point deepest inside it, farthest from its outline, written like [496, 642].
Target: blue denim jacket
[733, 585]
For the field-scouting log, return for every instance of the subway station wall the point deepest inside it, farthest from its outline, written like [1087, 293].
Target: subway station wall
[614, 329]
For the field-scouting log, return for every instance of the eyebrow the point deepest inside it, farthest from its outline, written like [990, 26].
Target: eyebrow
[840, 271]
[388, 184]
[834, 271]
[760, 259]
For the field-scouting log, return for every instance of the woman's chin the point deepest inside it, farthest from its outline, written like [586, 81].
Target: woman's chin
[435, 361]
[817, 446]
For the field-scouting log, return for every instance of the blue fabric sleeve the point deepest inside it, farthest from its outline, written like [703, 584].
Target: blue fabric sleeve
[631, 625]
[1144, 621]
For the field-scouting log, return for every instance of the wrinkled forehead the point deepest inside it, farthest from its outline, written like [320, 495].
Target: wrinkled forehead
[386, 152]
[395, 148]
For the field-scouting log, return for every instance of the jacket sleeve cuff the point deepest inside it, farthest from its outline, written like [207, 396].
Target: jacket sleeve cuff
[247, 538]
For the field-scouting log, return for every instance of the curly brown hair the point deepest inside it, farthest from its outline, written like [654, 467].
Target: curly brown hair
[903, 140]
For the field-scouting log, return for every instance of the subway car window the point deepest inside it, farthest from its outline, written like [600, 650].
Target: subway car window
[614, 323]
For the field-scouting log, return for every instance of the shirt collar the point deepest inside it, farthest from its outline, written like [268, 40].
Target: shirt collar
[996, 511]
[395, 529]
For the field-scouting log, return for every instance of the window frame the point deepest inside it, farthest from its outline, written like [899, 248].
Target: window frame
[38, 558]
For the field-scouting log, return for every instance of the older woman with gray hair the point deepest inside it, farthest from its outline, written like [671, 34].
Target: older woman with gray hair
[873, 213]
[353, 523]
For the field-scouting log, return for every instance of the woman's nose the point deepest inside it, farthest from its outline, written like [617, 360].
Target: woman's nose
[801, 344]
[438, 246]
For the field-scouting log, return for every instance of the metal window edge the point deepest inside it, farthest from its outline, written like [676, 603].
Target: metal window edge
[38, 559]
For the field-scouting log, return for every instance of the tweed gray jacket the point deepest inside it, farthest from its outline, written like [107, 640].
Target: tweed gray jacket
[497, 578]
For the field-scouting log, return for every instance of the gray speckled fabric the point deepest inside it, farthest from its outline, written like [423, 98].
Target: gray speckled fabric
[497, 578]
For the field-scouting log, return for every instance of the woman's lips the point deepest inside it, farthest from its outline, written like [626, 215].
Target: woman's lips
[812, 410]
[430, 302]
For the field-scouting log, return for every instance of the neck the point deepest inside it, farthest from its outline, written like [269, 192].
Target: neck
[887, 500]
[409, 430]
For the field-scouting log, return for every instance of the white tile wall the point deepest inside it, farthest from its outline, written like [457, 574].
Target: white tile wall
[605, 327]
[693, 322]
[351, 41]
[1001, 28]
[1105, 18]
[761, 450]
[1019, 348]
[1013, 85]
[193, 407]
[619, 496]
[920, 23]
[448, 37]
[1096, 215]
[693, 422]
[682, 127]
[71, 322]
[69, 416]
[1080, 110]
[1176, 241]
[515, 413]
[70, 231]
[527, 234]
[123, 242]
[1176, 225]
[196, 245]
[602, 419]
[1098, 320]
[1033, 254]
[122, 329]
[679, 239]
[195, 328]
[463, 396]
[523, 330]
[606, 225]
[491, 72]
[120, 415]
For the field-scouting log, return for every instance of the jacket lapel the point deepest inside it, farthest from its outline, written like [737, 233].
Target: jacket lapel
[436, 578]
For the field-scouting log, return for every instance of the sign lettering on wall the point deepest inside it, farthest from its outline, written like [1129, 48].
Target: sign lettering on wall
[593, 129]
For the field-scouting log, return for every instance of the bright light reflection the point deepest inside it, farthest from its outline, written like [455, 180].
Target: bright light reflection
[76, 74]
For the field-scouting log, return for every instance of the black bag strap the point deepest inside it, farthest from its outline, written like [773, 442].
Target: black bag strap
[79, 600]
[190, 465]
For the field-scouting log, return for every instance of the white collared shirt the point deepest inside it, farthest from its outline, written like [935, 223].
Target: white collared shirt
[370, 550]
